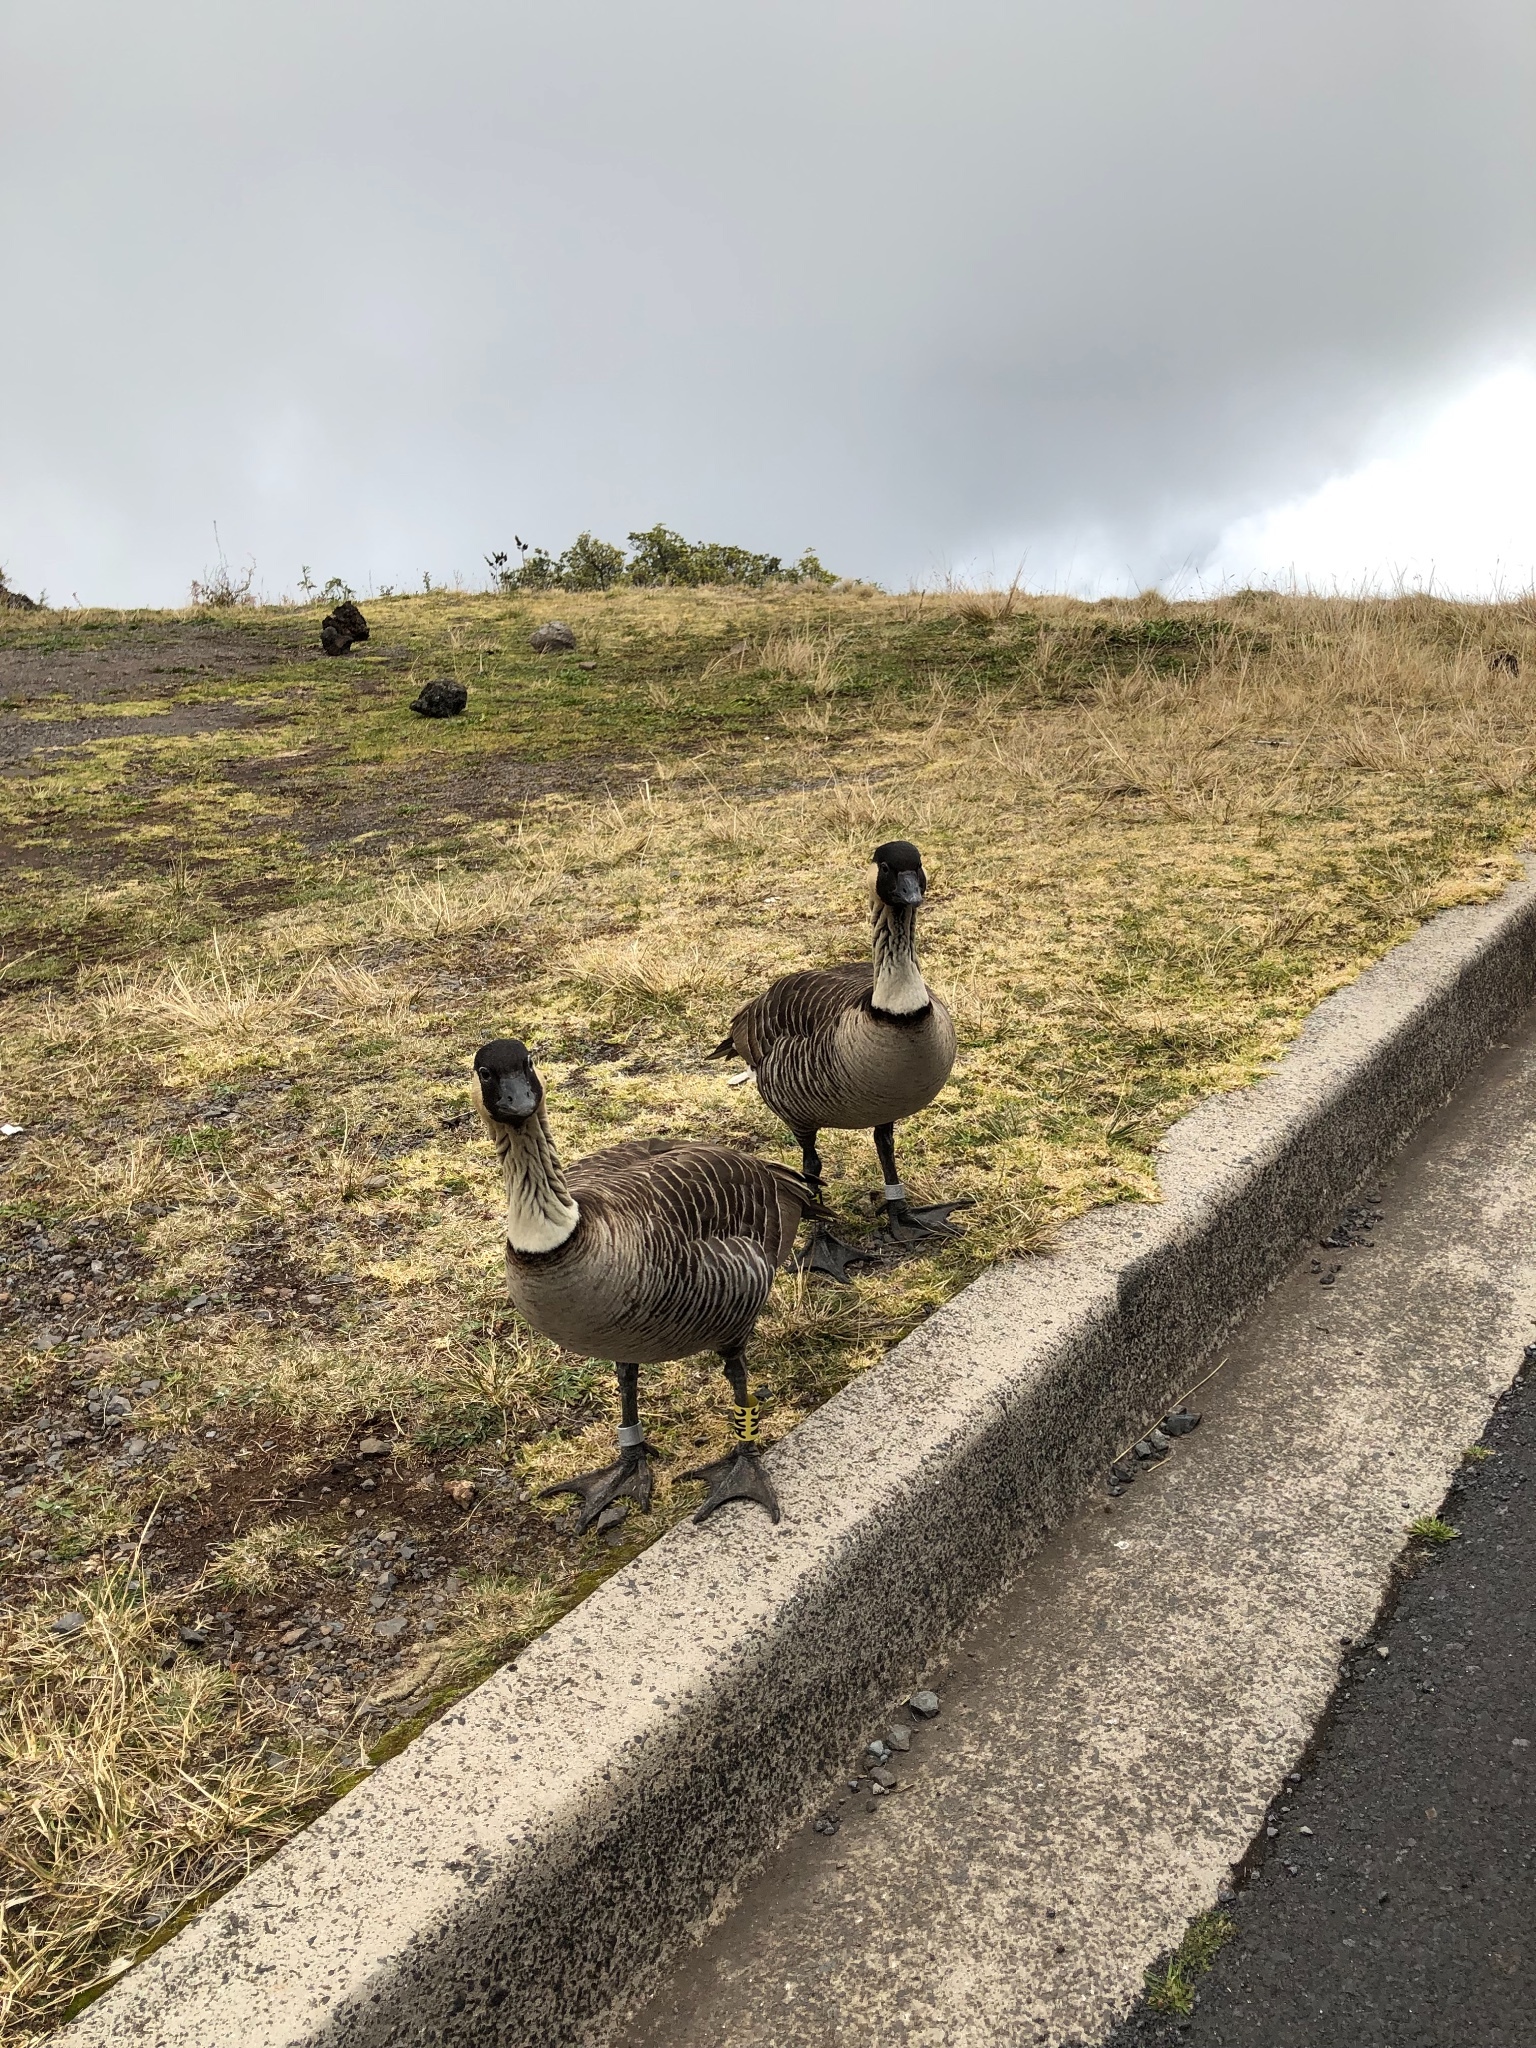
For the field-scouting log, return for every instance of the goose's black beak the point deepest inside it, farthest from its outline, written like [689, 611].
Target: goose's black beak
[907, 890]
[509, 1098]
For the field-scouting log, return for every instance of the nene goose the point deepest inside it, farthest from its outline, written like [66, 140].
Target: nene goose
[643, 1252]
[855, 1048]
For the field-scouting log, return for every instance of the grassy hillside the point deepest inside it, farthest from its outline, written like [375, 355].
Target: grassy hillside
[270, 1429]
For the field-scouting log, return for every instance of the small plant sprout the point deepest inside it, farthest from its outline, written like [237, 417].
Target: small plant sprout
[1170, 1986]
[1474, 1454]
[220, 589]
[1430, 1529]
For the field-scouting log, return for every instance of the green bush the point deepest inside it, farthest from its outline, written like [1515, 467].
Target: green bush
[589, 564]
[659, 556]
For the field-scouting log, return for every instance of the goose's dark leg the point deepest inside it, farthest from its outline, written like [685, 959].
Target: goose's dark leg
[739, 1475]
[605, 1495]
[904, 1224]
[823, 1253]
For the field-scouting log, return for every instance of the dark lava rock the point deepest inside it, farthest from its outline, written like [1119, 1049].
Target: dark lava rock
[440, 699]
[1180, 1422]
[338, 629]
[351, 620]
[553, 638]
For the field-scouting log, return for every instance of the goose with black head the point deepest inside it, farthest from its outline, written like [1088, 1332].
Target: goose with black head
[857, 1047]
[642, 1252]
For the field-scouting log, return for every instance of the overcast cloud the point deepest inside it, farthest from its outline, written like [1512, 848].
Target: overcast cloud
[1094, 282]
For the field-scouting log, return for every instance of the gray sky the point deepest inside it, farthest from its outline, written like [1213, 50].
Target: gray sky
[374, 286]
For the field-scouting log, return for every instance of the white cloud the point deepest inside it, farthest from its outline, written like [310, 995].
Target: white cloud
[1450, 507]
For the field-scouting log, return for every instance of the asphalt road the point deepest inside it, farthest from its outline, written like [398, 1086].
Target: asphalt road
[1395, 1904]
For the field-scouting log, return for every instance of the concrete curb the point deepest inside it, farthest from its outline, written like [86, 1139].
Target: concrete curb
[537, 1853]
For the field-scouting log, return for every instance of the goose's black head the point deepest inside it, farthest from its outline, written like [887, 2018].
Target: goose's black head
[506, 1085]
[898, 877]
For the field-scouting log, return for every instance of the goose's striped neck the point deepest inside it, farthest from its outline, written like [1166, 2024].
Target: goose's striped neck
[541, 1213]
[899, 986]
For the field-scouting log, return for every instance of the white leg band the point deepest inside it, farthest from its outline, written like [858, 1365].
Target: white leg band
[631, 1435]
[894, 1191]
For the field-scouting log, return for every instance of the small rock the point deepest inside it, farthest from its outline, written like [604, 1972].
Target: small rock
[588, 665]
[1123, 1472]
[1271, 1832]
[1144, 1449]
[461, 1491]
[338, 629]
[1304, 1831]
[885, 1777]
[899, 1738]
[924, 1703]
[878, 1751]
[294, 1635]
[194, 1638]
[1158, 1441]
[1382, 1898]
[67, 1625]
[395, 1626]
[373, 1447]
[1179, 1423]
[1382, 1650]
[440, 699]
[553, 637]
[827, 1824]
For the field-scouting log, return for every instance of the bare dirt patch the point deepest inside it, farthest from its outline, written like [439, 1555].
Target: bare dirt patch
[147, 661]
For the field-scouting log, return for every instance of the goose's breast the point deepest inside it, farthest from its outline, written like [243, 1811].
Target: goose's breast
[639, 1299]
[881, 1070]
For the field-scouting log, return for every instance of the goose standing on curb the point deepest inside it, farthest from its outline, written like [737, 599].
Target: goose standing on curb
[856, 1048]
[643, 1252]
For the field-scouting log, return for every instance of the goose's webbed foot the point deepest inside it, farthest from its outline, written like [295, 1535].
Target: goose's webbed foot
[905, 1226]
[824, 1253]
[737, 1476]
[605, 1495]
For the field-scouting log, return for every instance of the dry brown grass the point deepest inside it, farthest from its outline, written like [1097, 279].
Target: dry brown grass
[132, 1788]
[1158, 835]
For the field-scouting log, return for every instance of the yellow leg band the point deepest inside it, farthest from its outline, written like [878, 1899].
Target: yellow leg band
[746, 1423]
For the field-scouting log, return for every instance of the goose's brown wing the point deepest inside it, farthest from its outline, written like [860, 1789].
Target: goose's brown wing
[799, 1006]
[696, 1193]
[597, 1166]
